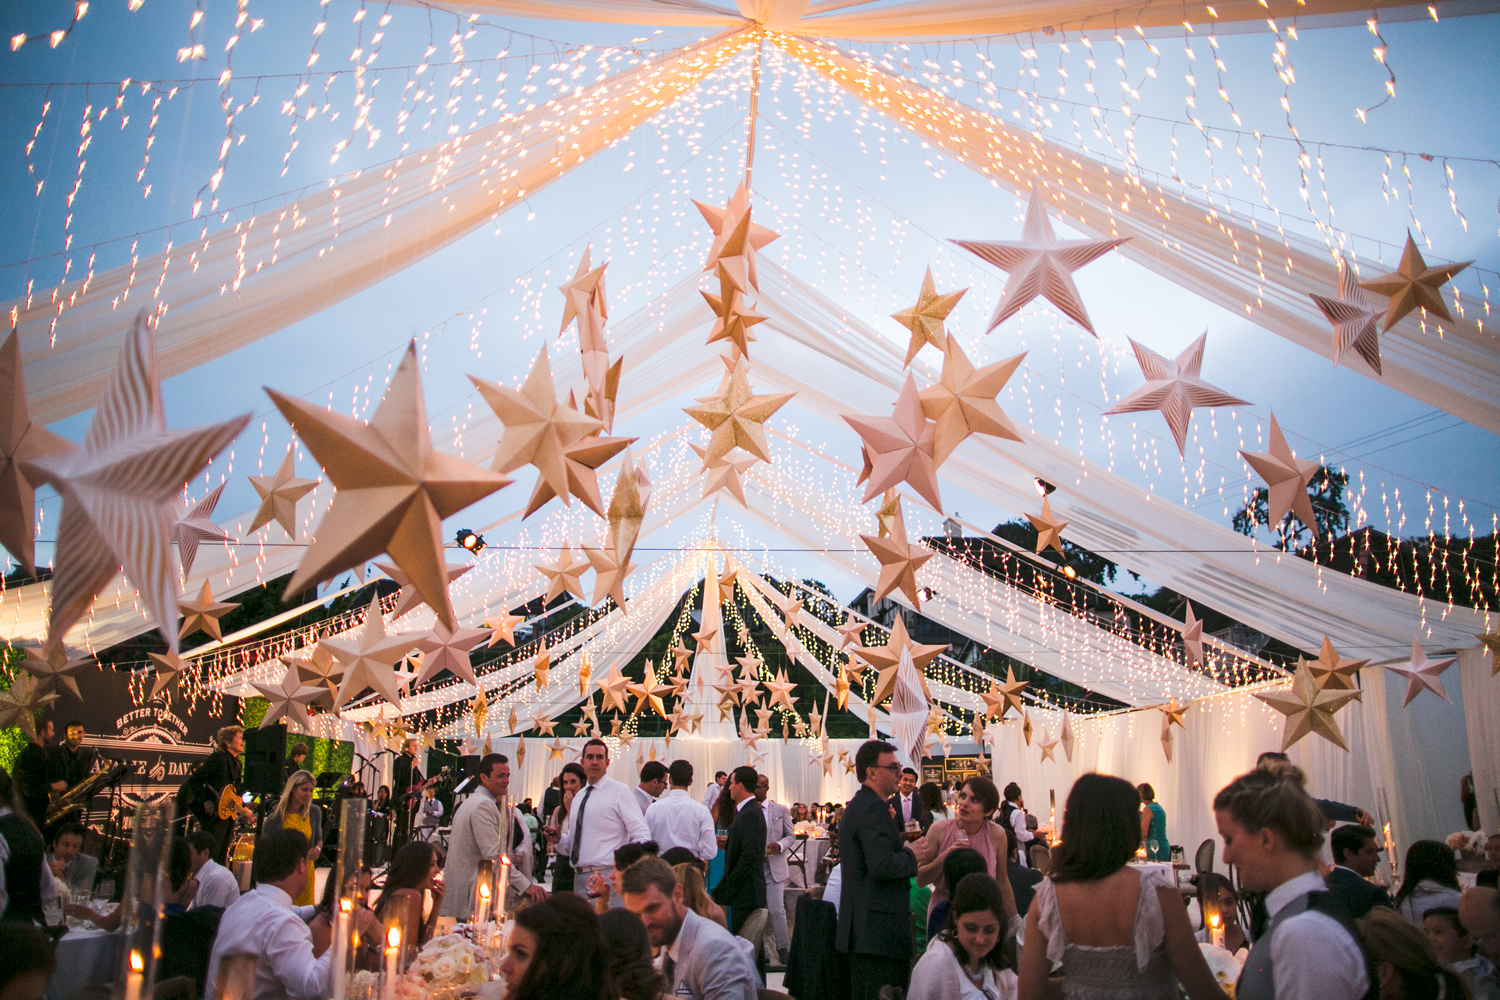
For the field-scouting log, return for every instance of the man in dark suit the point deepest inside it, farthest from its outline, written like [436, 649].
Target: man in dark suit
[742, 887]
[878, 864]
[1356, 853]
[908, 803]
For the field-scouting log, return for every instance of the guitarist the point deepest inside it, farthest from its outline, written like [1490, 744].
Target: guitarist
[208, 781]
[407, 785]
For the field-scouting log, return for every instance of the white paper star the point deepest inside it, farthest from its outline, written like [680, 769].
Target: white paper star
[1174, 388]
[1422, 674]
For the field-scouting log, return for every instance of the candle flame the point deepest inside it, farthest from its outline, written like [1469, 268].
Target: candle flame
[137, 962]
[393, 937]
[1213, 921]
[346, 906]
[484, 891]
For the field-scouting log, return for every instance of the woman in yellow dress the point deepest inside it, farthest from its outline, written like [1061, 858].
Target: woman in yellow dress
[297, 811]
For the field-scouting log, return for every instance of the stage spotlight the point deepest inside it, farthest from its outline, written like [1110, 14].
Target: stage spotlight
[1042, 486]
[470, 540]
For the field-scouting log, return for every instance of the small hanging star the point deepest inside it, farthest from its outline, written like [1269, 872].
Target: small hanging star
[924, 320]
[1422, 674]
[203, 613]
[1413, 285]
[1048, 528]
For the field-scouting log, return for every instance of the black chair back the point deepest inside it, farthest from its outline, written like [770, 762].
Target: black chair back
[1203, 860]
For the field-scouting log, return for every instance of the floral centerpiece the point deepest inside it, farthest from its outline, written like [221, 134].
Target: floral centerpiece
[807, 829]
[447, 966]
[1466, 841]
[1224, 966]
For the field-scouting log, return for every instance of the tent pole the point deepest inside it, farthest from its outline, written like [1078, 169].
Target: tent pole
[754, 107]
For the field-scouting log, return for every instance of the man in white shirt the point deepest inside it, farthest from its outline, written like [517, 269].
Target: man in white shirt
[715, 787]
[1013, 812]
[653, 783]
[476, 836]
[605, 816]
[698, 957]
[677, 820]
[779, 842]
[265, 924]
[216, 884]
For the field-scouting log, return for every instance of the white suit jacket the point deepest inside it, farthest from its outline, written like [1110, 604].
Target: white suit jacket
[476, 837]
[778, 831]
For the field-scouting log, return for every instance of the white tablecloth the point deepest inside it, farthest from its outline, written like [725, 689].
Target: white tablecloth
[1163, 868]
[83, 958]
[813, 849]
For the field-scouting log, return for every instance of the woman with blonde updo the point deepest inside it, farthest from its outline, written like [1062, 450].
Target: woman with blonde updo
[1272, 832]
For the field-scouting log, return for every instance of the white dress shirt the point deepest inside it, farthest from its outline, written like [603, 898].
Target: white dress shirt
[264, 923]
[1312, 954]
[216, 886]
[677, 820]
[643, 799]
[834, 890]
[611, 819]
[712, 795]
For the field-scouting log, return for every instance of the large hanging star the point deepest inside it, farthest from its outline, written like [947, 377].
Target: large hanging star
[1286, 478]
[394, 489]
[288, 700]
[21, 701]
[1332, 672]
[1048, 528]
[1040, 264]
[203, 613]
[725, 472]
[1308, 709]
[320, 670]
[899, 562]
[925, 318]
[705, 639]
[20, 440]
[1491, 641]
[737, 239]
[614, 686]
[410, 598]
[119, 492]
[1174, 388]
[887, 659]
[504, 628]
[538, 429]
[733, 319]
[1413, 285]
[649, 693]
[586, 290]
[1010, 693]
[448, 649]
[1192, 636]
[195, 525]
[609, 573]
[56, 665]
[994, 701]
[963, 401]
[369, 658]
[542, 724]
[790, 607]
[1356, 323]
[565, 576]
[737, 417]
[169, 667]
[1422, 674]
[581, 458]
[279, 495]
[901, 447]
[780, 691]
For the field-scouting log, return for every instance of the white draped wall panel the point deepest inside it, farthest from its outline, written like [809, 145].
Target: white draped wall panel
[1266, 275]
[1481, 694]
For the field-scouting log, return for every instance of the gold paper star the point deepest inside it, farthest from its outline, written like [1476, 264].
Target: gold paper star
[55, 666]
[479, 710]
[737, 417]
[370, 658]
[556, 749]
[678, 683]
[689, 722]
[203, 613]
[195, 525]
[1308, 709]
[887, 660]
[394, 489]
[541, 667]
[1413, 285]
[585, 672]
[1066, 737]
[564, 577]
[963, 402]
[728, 695]
[763, 718]
[890, 509]
[649, 693]
[504, 625]
[22, 700]
[925, 318]
[1491, 641]
[900, 447]
[542, 724]
[1048, 528]
[705, 639]
[1166, 738]
[586, 290]
[781, 691]
[682, 657]
[1040, 264]
[288, 700]
[815, 719]
[790, 608]
[841, 689]
[1026, 726]
[20, 440]
[1174, 388]
[609, 573]
[581, 727]
[169, 667]
[1010, 693]
[448, 649]
[614, 686]
[511, 721]
[899, 562]
[737, 240]
[733, 319]
[580, 459]
[1172, 712]
[318, 669]
[119, 492]
[279, 495]
[1048, 748]
[1422, 674]
[1286, 478]
[1334, 673]
[852, 632]
[726, 586]
[1356, 323]
[409, 598]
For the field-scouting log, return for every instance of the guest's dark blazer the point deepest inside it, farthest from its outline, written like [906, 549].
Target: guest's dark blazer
[1023, 883]
[743, 884]
[922, 813]
[874, 910]
[1488, 879]
[1356, 895]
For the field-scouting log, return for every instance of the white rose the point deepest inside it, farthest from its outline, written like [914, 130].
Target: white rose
[444, 967]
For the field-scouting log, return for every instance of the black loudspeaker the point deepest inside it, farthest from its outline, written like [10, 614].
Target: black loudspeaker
[265, 760]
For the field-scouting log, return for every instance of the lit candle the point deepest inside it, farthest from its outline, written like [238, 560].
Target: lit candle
[482, 915]
[341, 928]
[392, 959]
[502, 885]
[136, 978]
[1215, 930]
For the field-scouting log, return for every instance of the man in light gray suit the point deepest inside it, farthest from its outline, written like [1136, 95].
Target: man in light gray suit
[699, 958]
[779, 842]
[476, 837]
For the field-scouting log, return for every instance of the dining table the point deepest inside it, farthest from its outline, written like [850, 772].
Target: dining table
[83, 957]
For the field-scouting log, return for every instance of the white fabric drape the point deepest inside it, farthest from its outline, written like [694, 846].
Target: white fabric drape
[1201, 248]
[1391, 805]
[1481, 695]
[267, 272]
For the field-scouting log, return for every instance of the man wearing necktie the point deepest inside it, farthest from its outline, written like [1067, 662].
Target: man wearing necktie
[605, 817]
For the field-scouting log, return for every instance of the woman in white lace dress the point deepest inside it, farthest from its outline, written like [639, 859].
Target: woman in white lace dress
[1110, 931]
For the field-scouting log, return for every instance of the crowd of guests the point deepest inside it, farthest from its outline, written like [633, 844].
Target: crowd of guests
[653, 890]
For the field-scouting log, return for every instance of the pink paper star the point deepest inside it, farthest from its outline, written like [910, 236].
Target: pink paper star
[1286, 478]
[900, 447]
[1421, 673]
[1174, 388]
[1356, 323]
